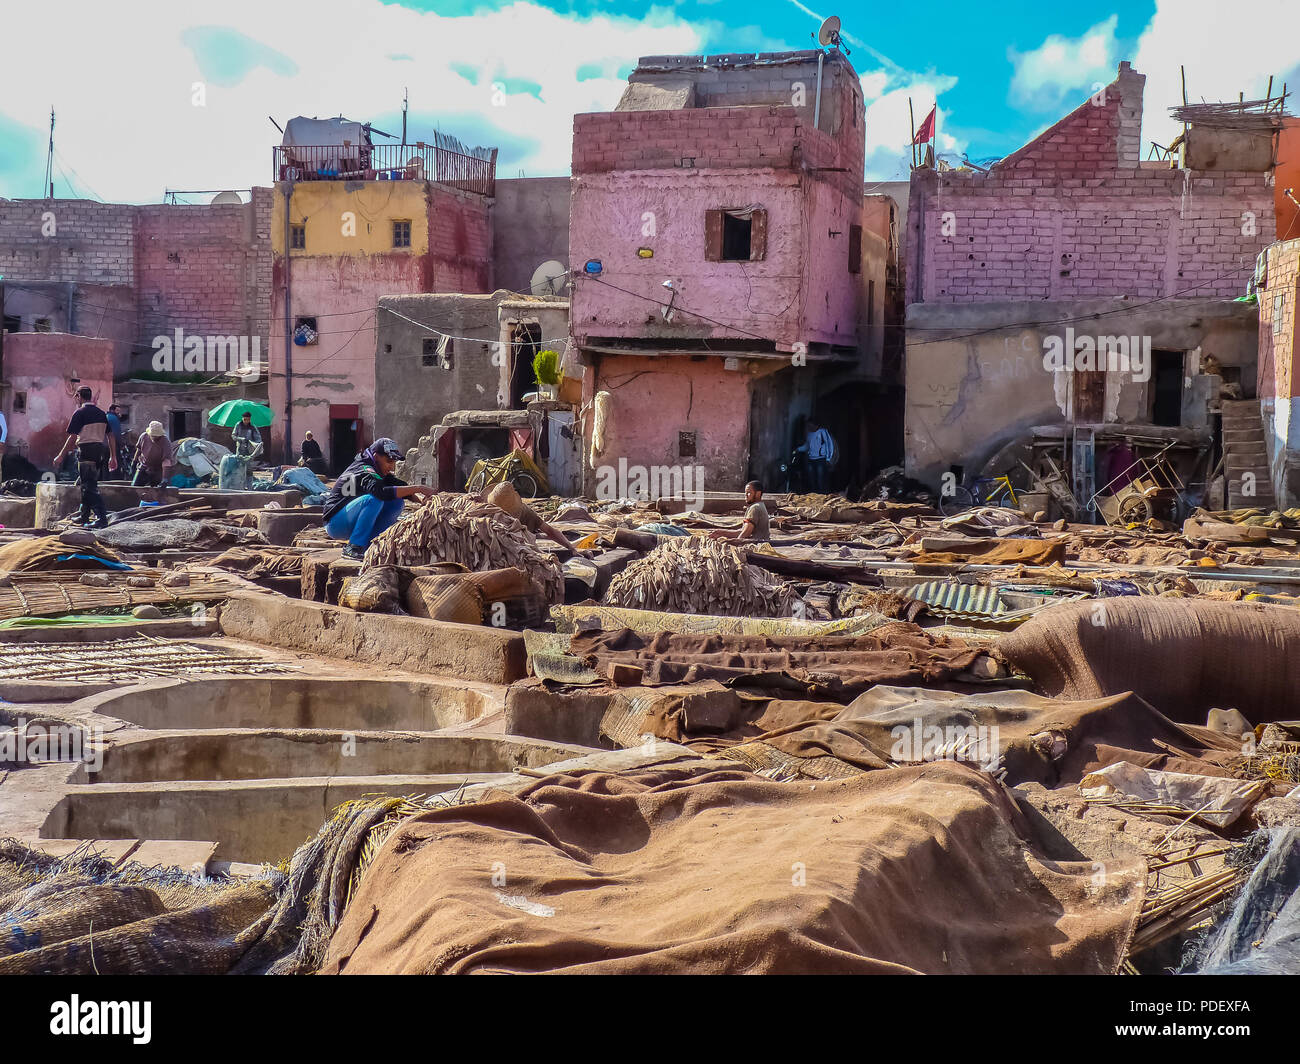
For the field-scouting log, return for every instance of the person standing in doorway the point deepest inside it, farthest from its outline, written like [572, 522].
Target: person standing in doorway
[311, 455]
[820, 448]
[88, 431]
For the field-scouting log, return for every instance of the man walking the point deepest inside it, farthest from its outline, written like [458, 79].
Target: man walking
[367, 498]
[820, 448]
[88, 431]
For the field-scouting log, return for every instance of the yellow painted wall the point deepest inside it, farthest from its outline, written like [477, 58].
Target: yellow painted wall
[321, 205]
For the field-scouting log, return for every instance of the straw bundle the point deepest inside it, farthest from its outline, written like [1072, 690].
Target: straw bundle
[477, 535]
[696, 575]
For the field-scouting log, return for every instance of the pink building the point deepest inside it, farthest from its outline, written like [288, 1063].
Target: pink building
[42, 373]
[717, 254]
[386, 220]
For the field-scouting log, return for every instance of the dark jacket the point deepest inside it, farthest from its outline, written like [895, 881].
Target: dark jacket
[360, 478]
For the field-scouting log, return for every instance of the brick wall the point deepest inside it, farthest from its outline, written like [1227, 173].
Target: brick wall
[204, 269]
[460, 242]
[722, 137]
[91, 242]
[1278, 321]
[1073, 215]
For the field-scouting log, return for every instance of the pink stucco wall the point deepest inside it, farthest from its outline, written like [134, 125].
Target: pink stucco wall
[42, 367]
[653, 399]
[342, 292]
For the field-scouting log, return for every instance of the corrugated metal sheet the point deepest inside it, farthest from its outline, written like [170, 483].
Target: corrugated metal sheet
[976, 602]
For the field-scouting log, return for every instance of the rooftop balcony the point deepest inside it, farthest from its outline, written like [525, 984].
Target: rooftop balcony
[385, 162]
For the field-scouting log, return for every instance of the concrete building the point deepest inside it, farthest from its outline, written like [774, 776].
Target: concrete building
[353, 223]
[1073, 239]
[440, 353]
[716, 243]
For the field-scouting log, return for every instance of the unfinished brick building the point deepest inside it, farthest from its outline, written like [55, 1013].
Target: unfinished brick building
[720, 281]
[1075, 230]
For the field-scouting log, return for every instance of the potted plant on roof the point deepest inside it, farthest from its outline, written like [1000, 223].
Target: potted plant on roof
[546, 368]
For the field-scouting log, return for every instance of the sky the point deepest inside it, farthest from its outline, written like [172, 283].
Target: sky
[164, 94]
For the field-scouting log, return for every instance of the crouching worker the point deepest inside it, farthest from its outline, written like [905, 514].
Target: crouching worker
[367, 498]
[504, 497]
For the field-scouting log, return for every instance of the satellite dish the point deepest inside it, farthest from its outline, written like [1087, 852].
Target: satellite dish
[222, 198]
[830, 32]
[551, 278]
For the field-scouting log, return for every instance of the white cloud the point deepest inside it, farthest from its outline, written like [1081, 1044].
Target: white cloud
[1226, 50]
[1062, 68]
[889, 125]
[123, 89]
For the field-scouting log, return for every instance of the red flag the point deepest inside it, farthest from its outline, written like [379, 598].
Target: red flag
[926, 133]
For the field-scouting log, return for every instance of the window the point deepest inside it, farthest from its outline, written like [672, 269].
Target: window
[41, 325]
[20, 402]
[436, 352]
[11, 323]
[298, 237]
[855, 249]
[304, 332]
[737, 235]
[402, 234]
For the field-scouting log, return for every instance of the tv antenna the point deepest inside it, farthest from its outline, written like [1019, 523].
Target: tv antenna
[829, 34]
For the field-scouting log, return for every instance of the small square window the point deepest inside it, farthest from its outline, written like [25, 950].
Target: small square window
[298, 237]
[735, 235]
[436, 352]
[20, 402]
[41, 325]
[402, 234]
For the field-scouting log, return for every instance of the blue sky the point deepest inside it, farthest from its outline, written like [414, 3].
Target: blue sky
[177, 95]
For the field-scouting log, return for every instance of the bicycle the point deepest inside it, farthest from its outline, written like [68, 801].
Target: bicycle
[507, 468]
[984, 491]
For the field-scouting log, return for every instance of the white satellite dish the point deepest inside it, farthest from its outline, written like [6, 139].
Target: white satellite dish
[551, 278]
[222, 198]
[829, 34]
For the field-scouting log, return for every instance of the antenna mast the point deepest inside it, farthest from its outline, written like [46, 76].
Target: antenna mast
[49, 160]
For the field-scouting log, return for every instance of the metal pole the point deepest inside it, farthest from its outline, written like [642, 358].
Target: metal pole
[911, 120]
[288, 321]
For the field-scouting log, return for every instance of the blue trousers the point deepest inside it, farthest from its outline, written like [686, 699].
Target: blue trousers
[363, 519]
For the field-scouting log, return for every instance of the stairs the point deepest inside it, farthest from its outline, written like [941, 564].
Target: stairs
[1245, 457]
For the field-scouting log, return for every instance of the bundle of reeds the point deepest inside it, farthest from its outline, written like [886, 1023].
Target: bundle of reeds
[48, 594]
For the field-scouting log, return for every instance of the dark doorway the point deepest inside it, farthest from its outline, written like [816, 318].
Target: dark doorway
[343, 443]
[1167, 388]
[525, 342]
[183, 424]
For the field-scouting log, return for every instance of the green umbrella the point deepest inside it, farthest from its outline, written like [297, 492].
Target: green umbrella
[229, 413]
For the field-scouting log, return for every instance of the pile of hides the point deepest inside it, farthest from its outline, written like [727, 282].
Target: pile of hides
[698, 575]
[460, 528]
[832, 667]
[136, 536]
[72, 550]
[1185, 656]
[885, 860]
[253, 562]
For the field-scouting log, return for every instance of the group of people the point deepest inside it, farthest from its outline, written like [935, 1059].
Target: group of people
[367, 497]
